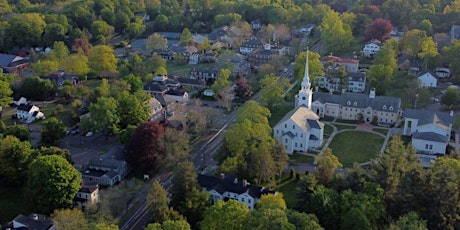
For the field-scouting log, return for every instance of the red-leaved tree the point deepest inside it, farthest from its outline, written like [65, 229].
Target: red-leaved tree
[379, 29]
[143, 151]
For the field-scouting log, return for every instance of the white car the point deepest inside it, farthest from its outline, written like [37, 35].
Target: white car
[88, 134]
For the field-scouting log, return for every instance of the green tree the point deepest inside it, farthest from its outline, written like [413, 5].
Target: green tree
[324, 203]
[101, 28]
[103, 226]
[103, 113]
[411, 43]
[15, 155]
[102, 58]
[19, 131]
[222, 80]
[410, 221]
[52, 130]
[53, 183]
[175, 144]
[186, 37]
[273, 90]
[268, 218]
[53, 150]
[336, 35]
[195, 203]
[387, 57]
[451, 54]
[169, 225]
[59, 51]
[327, 163]
[156, 42]
[54, 32]
[303, 221]
[136, 28]
[158, 201]
[45, 67]
[69, 219]
[5, 94]
[272, 201]
[76, 64]
[315, 67]
[225, 215]
[429, 50]
[451, 97]
[381, 76]
[184, 181]
[26, 29]
[205, 46]
[131, 111]
[154, 62]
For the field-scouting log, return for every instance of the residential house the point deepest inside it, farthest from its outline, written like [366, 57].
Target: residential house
[395, 33]
[351, 65]
[209, 75]
[227, 36]
[250, 45]
[308, 29]
[455, 32]
[371, 48]
[442, 72]
[87, 195]
[196, 84]
[177, 95]
[174, 51]
[12, 63]
[382, 110]
[59, 77]
[154, 88]
[155, 107]
[300, 129]
[228, 187]
[261, 56]
[427, 80]
[256, 24]
[29, 113]
[32, 222]
[105, 170]
[356, 82]
[430, 131]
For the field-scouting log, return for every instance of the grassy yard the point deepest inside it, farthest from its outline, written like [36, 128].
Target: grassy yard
[382, 131]
[300, 158]
[356, 146]
[328, 130]
[288, 187]
[456, 122]
[342, 127]
[278, 114]
[12, 202]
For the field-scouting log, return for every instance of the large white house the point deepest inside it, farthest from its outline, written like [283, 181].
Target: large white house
[430, 130]
[29, 113]
[300, 129]
[383, 110]
[227, 187]
[371, 48]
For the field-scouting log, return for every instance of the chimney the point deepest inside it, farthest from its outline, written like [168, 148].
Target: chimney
[372, 93]
[245, 183]
[222, 176]
[452, 113]
[35, 217]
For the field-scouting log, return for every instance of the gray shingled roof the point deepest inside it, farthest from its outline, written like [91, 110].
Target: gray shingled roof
[300, 116]
[430, 136]
[380, 103]
[426, 117]
[231, 184]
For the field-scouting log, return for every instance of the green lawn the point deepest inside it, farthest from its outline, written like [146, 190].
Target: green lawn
[356, 146]
[342, 127]
[13, 201]
[328, 130]
[456, 122]
[382, 131]
[289, 188]
[300, 158]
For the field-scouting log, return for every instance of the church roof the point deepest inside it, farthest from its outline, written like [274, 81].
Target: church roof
[430, 136]
[303, 117]
[426, 117]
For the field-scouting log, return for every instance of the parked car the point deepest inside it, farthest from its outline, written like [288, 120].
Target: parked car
[89, 134]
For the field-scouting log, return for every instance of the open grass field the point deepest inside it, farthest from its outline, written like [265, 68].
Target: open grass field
[379, 130]
[342, 127]
[288, 187]
[328, 129]
[356, 146]
[300, 158]
[12, 202]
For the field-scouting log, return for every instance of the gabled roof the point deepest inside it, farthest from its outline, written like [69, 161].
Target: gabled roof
[107, 163]
[358, 77]
[380, 103]
[155, 87]
[231, 184]
[430, 136]
[189, 81]
[32, 221]
[426, 117]
[8, 59]
[303, 117]
[25, 107]
[252, 43]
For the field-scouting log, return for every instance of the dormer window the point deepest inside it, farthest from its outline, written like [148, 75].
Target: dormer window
[348, 103]
[391, 108]
[355, 103]
[384, 107]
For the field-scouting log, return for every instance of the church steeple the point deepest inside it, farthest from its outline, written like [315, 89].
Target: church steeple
[305, 94]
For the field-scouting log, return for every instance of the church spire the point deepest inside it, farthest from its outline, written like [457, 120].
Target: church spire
[306, 78]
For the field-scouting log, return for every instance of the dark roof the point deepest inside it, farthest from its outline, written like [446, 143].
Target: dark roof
[155, 87]
[189, 81]
[359, 77]
[313, 124]
[32, 221]
[217, 34]
[175, 92]
[8, 59]
[231, 184]
[425, 117]
[430, 136]
[161, 99]
[380, 103]
[25, 107]
[289, 134]
[313, 137]
[252, 43]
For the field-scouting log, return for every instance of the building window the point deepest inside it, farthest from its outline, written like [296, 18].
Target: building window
[301, 145]
[293, 126]
[285, 140]
[426, 146]
[277, 132]
[295, 144]
[285, 125]
[355, 103]
[301, 135]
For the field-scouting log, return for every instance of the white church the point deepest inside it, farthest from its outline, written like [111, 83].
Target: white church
[300, 129]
